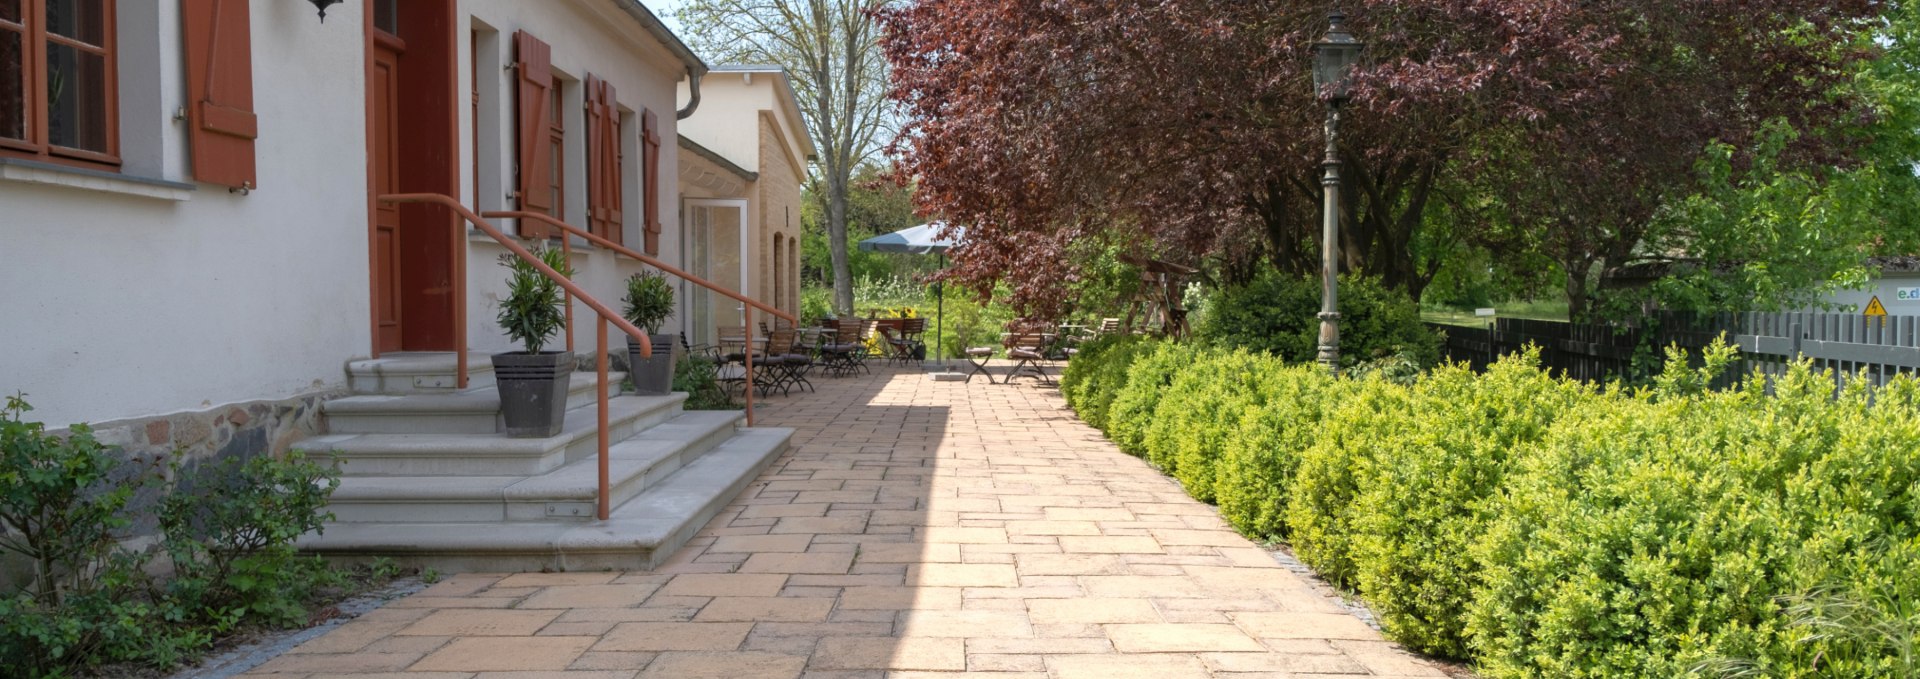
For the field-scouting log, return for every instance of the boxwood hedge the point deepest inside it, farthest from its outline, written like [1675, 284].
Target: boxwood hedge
[1542, 527]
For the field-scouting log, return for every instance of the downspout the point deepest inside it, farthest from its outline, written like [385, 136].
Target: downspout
[693, 95]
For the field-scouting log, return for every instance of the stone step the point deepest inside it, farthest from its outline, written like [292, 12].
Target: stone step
[641, 534]
[569, 492]
[471, 411]
[494, 454]
[418, 372]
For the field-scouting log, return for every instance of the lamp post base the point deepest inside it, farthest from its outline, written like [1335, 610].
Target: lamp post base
[1329, 357]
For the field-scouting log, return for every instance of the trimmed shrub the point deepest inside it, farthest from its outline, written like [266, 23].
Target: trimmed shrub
[1097, 374]
[1542, 527]
[1321, 510]
[1255, 474]
[1277, 314]
[1133, 407]
[1642, 539]
[1197, 412]
[1425, 501]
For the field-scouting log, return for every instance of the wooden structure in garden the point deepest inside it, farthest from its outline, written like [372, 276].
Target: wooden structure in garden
[1158, 300]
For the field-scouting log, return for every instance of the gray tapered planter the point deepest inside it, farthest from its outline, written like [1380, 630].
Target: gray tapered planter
[533, 391]
[652, 376]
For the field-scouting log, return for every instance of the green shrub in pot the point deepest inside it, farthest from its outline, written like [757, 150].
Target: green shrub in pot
[533, 382]
[649, 301]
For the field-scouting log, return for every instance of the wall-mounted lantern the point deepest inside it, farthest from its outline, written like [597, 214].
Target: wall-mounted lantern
[322, 5]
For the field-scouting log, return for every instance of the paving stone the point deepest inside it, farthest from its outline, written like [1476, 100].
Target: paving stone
[470, 622]
[700, 665]
[1179, 637]
[1304, 626]
[965, 624]
[1126, 667]
[582, 596]
[962, 575]
[761, 543]
[899, 598]
[722, 584]
[674, 636]
[501, 654]
[551, 579]
[1109, 544]
[886, 653]
[1082, 611]
[818, 563]
[764, 609]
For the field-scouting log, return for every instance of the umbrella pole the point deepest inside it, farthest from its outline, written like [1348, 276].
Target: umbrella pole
[940, 326]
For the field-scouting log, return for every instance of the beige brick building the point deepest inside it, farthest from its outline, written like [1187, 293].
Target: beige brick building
[740, 192]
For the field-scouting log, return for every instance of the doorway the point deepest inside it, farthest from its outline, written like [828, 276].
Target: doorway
[714, 233]
[412, 140]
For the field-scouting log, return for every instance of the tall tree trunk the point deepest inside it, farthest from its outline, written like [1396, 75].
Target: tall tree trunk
[1578, 289]
[837, 241]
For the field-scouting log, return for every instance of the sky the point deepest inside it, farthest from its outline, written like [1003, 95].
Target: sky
[664, 9]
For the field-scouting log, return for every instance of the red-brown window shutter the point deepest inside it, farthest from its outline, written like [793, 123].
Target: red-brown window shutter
[612, 200]
[221, 124]
[650, 168]
[596, 150]
[603, 160]
[534, 62]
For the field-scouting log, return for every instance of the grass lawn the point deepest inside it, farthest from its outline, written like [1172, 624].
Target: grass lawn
[1545, 310]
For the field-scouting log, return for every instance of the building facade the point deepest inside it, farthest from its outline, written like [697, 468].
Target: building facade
[744, 160]
[190, 192]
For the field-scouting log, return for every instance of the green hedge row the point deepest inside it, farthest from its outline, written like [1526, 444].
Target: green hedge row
[1542, 527]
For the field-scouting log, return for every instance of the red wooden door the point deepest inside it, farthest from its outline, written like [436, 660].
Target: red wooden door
[384, 88]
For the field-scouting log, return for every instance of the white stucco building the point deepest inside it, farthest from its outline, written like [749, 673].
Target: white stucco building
[190, 225]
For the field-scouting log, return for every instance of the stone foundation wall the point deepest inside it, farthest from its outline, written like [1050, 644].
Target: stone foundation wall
[238, 430]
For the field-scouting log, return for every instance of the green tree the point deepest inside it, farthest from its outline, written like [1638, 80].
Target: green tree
[831, 50]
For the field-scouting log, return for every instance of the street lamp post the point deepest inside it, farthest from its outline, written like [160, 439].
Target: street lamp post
[1333, 60]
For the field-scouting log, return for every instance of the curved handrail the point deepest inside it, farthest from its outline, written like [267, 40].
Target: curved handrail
[748, 304]
[618, 321]
[602, 241]
[606, 315]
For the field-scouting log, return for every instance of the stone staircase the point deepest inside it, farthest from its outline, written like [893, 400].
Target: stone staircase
[428, 480]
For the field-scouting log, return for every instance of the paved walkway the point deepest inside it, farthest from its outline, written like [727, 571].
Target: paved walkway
[916, 529]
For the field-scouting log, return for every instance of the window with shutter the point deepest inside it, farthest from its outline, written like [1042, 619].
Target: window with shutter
[650, 171]
[57, 89]
[533, 131]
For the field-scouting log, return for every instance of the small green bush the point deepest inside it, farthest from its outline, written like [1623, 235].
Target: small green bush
[1098, 372]
[1133, 407]
[1198, 411]
[698, 376]
[1424, 501]
[1321, 509]
[1260, 456]
[1278, 314]
[229, 528]
[534, 308]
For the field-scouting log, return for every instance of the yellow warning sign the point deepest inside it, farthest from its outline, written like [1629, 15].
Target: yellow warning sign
[1875, 308]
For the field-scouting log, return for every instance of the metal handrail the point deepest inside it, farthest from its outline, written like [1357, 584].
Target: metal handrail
[605, 315]
[746, 311]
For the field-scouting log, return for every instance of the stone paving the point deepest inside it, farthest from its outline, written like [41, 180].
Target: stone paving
[915, 529]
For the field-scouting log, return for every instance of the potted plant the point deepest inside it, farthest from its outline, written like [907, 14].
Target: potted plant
[533, 383]
[649, 302]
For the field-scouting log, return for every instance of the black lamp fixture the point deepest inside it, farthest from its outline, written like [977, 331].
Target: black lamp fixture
[1334, 58]
[323, 5]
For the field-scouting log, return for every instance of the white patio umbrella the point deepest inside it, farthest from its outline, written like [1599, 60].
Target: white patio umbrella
[924, 239]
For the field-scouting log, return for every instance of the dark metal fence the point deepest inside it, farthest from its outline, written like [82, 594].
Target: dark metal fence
[1848, 344]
